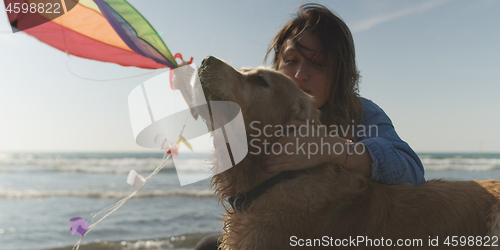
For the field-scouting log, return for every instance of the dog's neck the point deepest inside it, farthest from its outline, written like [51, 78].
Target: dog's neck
[241, 178]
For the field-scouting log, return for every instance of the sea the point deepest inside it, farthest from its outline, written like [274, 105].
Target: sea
[40, 192]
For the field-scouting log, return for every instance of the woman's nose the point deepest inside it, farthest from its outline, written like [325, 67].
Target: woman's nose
[302, 74]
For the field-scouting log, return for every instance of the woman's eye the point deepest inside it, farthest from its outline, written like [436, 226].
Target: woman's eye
[289, 60]
[319, 65]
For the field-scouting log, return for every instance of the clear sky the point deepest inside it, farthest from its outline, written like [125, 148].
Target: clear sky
[433, 66]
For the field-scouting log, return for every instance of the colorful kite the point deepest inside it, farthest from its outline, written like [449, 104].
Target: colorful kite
[109, 31]
[103, 30]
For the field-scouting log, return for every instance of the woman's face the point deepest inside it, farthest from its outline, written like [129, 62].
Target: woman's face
[303, 61]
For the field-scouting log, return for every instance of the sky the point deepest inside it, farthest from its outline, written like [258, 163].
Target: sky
[433, 66]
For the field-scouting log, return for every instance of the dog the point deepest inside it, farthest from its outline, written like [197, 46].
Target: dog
[329, 206]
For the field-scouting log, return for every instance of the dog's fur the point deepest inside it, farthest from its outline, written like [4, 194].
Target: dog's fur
[330, 201]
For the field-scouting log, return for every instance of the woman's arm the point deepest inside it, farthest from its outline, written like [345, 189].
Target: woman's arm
[379, 153]
[393, 161]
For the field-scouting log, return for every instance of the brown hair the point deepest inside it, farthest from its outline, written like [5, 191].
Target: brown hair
[343, 106]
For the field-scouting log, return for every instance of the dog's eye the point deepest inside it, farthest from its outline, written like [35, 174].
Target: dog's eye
[262, 82]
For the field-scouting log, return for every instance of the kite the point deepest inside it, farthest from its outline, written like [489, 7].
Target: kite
[78, 226]
[109, 31]
[113, 31]
[104, 30]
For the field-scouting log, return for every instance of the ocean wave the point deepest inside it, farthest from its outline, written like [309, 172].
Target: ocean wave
[187, 241]
[458, 163]
[99, 165]
[90, 164]
[122, 163]
[99, 194]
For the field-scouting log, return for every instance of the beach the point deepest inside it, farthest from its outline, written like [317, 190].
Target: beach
[40, 192]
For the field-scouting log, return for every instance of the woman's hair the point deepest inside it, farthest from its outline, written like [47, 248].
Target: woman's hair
[343, 107]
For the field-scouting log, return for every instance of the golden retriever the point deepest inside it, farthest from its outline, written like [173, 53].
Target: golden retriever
[327, 206]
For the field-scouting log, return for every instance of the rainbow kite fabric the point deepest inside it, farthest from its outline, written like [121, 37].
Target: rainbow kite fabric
[103, 30]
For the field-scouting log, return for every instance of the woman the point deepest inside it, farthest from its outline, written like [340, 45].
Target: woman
[316, 50]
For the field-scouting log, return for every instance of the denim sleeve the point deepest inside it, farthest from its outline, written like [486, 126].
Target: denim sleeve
[393, 159]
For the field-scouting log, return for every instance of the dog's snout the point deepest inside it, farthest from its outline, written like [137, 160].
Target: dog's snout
[209, 60]
[209, 68]
[204, 62]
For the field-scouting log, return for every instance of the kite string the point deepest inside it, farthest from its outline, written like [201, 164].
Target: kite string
[117, 205]
[102, 80]
[122, 201]
[111, 209]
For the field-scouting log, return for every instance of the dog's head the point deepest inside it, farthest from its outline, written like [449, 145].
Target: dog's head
[267, 98]
[264, 95]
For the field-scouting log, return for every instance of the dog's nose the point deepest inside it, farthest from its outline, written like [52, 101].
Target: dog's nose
[209, 60]
[205, 67]
[206, 59]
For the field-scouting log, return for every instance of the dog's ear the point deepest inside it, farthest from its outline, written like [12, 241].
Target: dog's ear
[303, 110]
[315, 114]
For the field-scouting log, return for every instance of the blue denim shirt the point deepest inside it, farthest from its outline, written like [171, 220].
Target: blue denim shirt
[393, 159]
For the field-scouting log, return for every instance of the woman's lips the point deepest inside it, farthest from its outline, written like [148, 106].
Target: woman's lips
[307, 91]
[304, 89]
